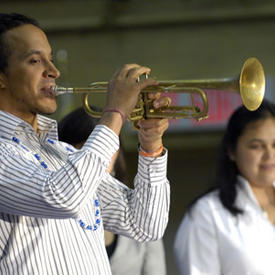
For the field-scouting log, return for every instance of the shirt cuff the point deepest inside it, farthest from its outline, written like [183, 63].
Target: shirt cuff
[153, 170]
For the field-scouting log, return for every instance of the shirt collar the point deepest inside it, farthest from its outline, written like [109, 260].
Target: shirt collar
[245, 187]
[9, 124]
[247, 191]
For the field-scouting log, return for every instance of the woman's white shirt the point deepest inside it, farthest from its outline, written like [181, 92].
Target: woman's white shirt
[211, 241]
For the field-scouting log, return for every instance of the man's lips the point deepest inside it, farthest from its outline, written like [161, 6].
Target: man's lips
[48, 90]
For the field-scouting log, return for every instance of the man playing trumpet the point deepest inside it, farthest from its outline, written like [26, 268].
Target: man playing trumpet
[52, 211]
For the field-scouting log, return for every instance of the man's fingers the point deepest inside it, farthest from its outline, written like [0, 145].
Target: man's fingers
[164, 101]
[147, 82]
[148, 124]
[123, 72]
[132, 71]
[136, 72]
[153, 95]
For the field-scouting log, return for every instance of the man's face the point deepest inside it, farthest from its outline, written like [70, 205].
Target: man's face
[30, 73]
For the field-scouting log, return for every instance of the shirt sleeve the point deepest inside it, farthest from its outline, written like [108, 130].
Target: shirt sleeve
[196, 245]
[140, 213]
[27, 188]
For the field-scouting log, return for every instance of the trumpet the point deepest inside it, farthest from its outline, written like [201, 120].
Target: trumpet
[250, 84]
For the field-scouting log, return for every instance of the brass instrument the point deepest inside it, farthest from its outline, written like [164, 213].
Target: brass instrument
[250, 84]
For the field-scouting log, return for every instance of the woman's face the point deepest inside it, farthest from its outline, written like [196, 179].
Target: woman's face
[255, 152]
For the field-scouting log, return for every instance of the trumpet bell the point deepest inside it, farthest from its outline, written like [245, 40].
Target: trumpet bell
[252, 84]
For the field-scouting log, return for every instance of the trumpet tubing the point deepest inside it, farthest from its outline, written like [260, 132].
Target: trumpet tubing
[250, 84]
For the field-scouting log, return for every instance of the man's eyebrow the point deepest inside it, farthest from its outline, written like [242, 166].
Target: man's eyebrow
[31, 52]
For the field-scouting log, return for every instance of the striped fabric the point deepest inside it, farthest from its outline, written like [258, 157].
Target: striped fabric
[54, 200]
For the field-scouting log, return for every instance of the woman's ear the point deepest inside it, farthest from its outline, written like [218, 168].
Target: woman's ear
[231, 155]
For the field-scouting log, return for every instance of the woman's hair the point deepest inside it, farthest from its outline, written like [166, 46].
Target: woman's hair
[227, 171]
[225, 181]
[76, 126]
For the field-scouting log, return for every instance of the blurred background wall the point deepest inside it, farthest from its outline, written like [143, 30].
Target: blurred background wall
[177, 39]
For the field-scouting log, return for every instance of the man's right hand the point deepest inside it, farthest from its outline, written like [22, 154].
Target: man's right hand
[123, 91]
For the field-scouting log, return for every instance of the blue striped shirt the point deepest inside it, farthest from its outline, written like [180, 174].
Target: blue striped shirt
[54, 200]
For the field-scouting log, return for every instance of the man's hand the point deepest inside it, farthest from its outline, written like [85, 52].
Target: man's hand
[123, 88]
[151, 130]
[123, 91]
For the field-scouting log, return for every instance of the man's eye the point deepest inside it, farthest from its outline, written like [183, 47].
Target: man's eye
[34, 61]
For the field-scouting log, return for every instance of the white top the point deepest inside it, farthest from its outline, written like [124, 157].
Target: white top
[54, 200]
[135, 258]
[211, 241]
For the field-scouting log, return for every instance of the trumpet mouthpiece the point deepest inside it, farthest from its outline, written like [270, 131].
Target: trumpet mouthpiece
[56, 90]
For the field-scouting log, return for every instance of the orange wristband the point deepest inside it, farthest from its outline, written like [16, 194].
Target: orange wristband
[153, 154]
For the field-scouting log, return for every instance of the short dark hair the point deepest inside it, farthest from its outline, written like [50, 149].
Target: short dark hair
[9, 21]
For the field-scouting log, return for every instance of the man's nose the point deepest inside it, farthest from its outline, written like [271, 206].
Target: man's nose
[51, 71]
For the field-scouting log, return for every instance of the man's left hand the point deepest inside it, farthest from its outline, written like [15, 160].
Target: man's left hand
[151, 130]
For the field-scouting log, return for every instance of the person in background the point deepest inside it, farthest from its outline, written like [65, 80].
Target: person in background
[53, 197]
[126, 255]
[230, 230]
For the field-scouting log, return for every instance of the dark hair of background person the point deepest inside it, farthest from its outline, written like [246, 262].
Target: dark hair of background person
[225, 180]
[76, 127]
[8, 22]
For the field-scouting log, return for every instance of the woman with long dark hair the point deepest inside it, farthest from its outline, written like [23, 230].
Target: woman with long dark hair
[230, 230]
